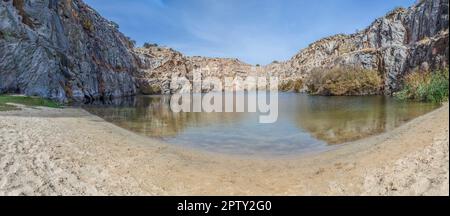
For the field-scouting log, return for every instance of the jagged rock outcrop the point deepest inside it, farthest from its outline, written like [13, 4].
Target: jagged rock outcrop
[166, 71]
[157, 67]
[393, 45]
[63, 50]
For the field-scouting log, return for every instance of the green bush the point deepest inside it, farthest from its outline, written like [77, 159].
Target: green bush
[425, 86]
[343, 81]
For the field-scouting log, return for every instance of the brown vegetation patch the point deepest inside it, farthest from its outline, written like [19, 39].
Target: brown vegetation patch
[344, 81]
[291, 85]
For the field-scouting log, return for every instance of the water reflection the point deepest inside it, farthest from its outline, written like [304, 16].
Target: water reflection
[152, 116]
[342, 119]
[305, 123]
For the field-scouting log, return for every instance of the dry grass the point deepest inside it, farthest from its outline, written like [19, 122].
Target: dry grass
[291, 85]
[344, 81]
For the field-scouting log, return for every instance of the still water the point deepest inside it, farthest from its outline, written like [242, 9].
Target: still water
[305, 123]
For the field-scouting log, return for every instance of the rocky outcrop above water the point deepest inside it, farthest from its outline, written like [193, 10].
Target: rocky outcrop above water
[166, 71]
[63, 50]
[393, 45]
[66, 51]
[157, 67]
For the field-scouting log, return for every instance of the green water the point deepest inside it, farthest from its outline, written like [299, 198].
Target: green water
[305, 123]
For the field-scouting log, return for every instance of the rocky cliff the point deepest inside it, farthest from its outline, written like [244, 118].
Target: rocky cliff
[63, 50]
[66, 51]
[166, 71]
[393, 45]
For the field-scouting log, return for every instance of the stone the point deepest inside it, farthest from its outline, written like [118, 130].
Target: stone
[63, 50]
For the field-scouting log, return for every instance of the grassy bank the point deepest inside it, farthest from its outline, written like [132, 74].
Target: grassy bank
[7, 100]
[425, 86]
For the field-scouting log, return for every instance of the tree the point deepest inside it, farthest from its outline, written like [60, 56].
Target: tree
[148, 45]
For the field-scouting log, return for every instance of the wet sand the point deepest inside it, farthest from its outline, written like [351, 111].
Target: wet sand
[71, 152]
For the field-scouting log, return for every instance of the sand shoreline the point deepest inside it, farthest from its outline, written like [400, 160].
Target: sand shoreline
[71, 152]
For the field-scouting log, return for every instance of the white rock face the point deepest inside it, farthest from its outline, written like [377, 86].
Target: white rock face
[170, 70]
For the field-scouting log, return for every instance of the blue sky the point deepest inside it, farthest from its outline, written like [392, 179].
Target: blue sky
[255, 31]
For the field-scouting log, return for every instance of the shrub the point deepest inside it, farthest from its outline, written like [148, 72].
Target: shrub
[343, 81]
[150, 89]
[148, 45]
[425, 86]
[87, 24]
[291, 85]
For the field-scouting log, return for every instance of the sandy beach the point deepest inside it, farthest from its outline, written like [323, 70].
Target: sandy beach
[71, 152]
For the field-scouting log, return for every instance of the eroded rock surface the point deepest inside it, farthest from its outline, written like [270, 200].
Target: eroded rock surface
[393, 45]
[164, 70]
[63, 50]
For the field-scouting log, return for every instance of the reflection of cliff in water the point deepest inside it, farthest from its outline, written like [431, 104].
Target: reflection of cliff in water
[152, 116]
[341, 119]
[305, 123]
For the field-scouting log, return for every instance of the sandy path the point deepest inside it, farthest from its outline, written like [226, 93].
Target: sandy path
[70, 152]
